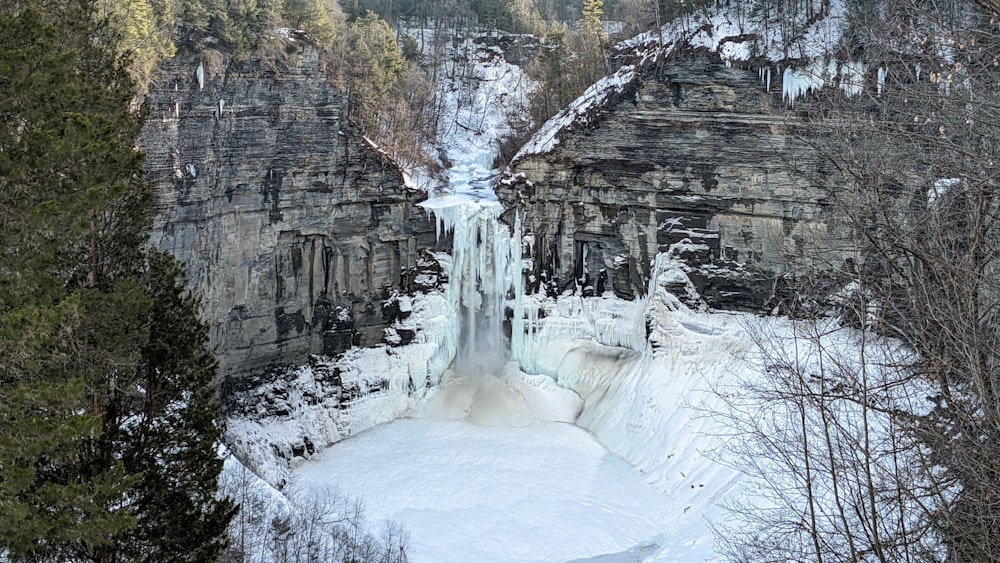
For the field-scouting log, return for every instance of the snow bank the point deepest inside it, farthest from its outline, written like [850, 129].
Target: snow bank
[649, 402]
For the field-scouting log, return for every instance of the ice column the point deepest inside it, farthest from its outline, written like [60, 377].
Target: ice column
[481, 277]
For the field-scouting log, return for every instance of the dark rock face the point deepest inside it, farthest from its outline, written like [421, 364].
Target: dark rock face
[293, 227]
[697, 157]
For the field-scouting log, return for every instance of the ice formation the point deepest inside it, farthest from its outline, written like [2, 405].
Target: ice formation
[480, 276]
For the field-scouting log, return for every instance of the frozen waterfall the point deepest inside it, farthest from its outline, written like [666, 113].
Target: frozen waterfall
[480, 278]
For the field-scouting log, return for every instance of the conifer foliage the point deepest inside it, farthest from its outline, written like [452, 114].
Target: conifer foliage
[107, 410]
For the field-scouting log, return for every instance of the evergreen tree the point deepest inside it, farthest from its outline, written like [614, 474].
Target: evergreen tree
[376, 67]
[106, 396]
[171, 410]
[591, 41]
[591, 23]
[146, 29]
[318, 18]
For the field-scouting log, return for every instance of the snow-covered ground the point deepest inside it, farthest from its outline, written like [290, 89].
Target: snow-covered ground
[548, 492]
[482, 473]
[512, 486]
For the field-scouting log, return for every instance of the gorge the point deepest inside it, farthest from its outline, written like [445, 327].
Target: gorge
[341, 298]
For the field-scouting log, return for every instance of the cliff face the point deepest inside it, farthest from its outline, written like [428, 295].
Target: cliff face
[293, 227]
[695, 157]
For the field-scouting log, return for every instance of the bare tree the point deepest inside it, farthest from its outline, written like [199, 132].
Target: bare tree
[300, 526]
[893, 451]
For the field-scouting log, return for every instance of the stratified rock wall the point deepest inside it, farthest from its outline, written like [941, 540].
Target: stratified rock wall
[697, 157]
[293, 227]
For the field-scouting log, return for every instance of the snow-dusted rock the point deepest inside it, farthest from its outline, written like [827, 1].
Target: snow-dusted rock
[697, 156]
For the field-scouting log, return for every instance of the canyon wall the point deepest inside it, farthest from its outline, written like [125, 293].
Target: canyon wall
[696, 158]
[293, 227]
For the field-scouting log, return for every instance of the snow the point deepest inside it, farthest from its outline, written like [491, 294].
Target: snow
[489, 470]
[388, 379]
[547, 492]
[598, 95]
[601, 434]
[941, 187]
[479, 96]
[736, 37]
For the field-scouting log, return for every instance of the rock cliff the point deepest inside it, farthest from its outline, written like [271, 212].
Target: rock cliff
[293, 227]
[693, 157]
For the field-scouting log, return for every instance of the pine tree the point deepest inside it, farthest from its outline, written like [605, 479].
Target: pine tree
[106, 397]
[591, 23]
[376, 67]
[171, 410]
[317, 18]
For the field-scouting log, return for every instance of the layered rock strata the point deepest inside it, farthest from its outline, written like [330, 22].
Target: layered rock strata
[693, 157]
[293, 227]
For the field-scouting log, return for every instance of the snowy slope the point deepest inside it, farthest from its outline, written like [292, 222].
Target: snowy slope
[479, 95]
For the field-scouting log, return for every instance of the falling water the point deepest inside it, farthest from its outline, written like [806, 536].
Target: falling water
[477, 106]
[480, 279]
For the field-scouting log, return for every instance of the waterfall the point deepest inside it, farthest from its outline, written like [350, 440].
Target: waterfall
[481, 276]
[479, 95]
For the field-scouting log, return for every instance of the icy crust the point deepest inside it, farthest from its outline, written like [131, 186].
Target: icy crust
[310, 407]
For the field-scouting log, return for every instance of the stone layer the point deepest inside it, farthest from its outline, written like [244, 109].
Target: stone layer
[293, 227]
[696, 157]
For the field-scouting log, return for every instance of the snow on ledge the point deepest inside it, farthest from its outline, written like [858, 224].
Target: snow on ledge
[600, 94]
[734, 38]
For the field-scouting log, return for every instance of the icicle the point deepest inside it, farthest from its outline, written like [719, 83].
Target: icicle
[852, 77]
[481, 274]
[881, 79]
[789, 87]
[200, 75]
[767, 80]
[222, 106]
[177, 109]
[917, 68]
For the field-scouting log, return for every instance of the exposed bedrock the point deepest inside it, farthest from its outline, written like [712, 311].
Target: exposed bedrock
[694, 156]
[293, 227]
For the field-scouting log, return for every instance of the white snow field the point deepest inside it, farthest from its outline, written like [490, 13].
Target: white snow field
[544, 491]
[514, 485]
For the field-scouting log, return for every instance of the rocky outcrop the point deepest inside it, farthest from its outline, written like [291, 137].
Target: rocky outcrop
[695, 158]
[293, 227]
